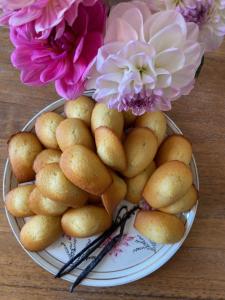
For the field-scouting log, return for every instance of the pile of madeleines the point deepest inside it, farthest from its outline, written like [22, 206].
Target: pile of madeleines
[74, 171]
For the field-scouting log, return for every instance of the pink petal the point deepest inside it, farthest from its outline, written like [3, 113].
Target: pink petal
[20, 57]
[92, 42]
[71, 14]
[24, 15]
[79, 49]
[96, 24]
[60, 28]
[4, 18]
[69, 91]
[52, 14]
[54, 71]
[31, 76]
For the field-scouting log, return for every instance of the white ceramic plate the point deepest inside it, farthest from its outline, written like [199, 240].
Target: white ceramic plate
[133, 258]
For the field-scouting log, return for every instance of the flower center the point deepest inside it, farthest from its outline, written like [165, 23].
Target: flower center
[197, 13]
[64, 43]
[140, 103]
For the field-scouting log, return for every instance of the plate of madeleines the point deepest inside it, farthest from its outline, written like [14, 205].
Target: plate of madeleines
[71, 169]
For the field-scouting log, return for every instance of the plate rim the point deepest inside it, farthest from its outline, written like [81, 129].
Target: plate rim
[147, 270]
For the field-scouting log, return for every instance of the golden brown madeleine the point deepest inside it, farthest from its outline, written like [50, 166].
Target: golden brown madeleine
[114, 194]
[156, 121]
[17, 201]
[74, 132]
[110, 149]
[47, 156]
[42, 205]
[85, 169]
[81, 108]
[85, 221]
[159, 227]
[129, 118]
[40, 232]
[175, 147]
[140, 148]
[53, 184]
[184, 204]
[45, 128]
[168, 183]
[104, 116]
[23, 147]
[135, 185]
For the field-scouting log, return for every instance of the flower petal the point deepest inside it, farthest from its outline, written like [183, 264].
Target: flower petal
[55, 70]
[69, 91]
[169, 37]
[120, 31]
[171, 60]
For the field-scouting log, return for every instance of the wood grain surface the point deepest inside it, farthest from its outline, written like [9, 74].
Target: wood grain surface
[197, 271]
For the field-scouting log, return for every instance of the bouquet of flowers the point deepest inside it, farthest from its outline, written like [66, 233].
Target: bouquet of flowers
[138, 55]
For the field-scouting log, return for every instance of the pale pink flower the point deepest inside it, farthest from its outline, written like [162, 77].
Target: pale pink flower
[209, 15]
[148, 60]
[45, 13]
[64, 56]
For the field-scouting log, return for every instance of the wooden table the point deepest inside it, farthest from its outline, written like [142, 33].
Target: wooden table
[197, 271]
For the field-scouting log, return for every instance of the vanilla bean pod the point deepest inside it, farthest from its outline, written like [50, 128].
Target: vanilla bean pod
[99, 257]
[89, 249]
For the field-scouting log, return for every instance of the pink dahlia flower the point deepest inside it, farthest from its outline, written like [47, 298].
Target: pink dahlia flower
[45, 13]
[148, 60]
[14, 4]
[64, 56]
[209, 15]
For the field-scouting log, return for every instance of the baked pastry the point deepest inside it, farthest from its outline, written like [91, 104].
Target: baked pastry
[40, 232]
[42, 205]
[156, 121]
[17, 201]
[129, 118]
[114, 194]
[47, 156]
[184, 204]
[53, 184]
[81, 108]
[175, 147]
[85, 169]
[85, 221]
[110, 148]
[74, 132]
[140, 148]
[135, 185]
[168, 183]
[45, 128]
[159, 227]
[23, 147]
[104, 116]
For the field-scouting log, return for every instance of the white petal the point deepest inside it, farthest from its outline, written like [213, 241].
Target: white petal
[118, 10]
[144, 9]
[170, 59]
[183, 77]
[169, 37]
[192, 32]
[161, 20]
[163, 78]
[134, 18]
[105, 51]
[193, 54]
[120, 31]
[112, 77]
